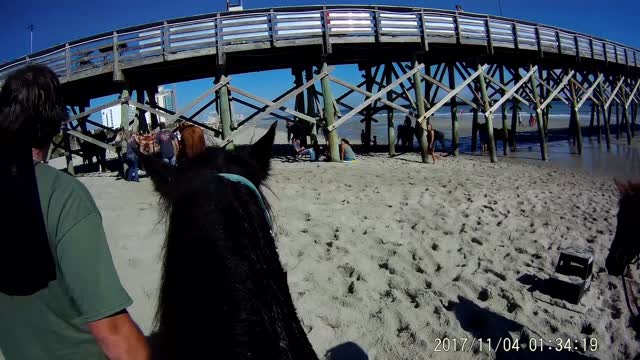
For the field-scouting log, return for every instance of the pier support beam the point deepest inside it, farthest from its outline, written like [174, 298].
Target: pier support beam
[625, 115]
[454, 113]
[598, 124]
[505, 128]
[329, 114]
[606, 116]
[369, 81]
[539, 118]
[224, 111]
[151, 95]
[311, 97]
[299, 102]
[420, 107]
[575, 117]
[124, 109]
[474, 129]
[515, 108]
[143, 127]
[488, 117]
[67, 150]
[617, 121]
[391, 131]
[592, 119]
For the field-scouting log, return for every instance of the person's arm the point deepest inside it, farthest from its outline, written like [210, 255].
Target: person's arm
[91, 278]
[120, 338]
[341, 152]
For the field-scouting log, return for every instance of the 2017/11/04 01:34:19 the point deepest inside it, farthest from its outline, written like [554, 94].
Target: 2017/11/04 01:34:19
[509, 344]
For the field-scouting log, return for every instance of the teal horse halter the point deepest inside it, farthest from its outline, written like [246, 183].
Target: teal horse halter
[243, 180]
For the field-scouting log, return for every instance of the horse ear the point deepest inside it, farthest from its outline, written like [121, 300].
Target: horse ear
[161, 173]
[261, 151]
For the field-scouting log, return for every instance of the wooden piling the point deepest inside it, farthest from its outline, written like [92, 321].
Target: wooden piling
[488, 117]
[420, 131]
[67, 150]
[505, 130]
[311, 96]
[391, 131]
[151, 95]
[606, 116]
[617, 120]
[454, 112]
[421, 110]
[143, 127]
[634, 114]
[299, 104]
[539, 118]
[224, 106]
[515, 104]
[592, 119]
[599, 124]
[543, 94]
[82, 122]
[575, 116]
[330, 115]
[474, 129]
[369, 82]
[124, 110]
[625, 115]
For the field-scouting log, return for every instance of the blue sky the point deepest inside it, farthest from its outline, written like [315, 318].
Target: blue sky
[64, 20]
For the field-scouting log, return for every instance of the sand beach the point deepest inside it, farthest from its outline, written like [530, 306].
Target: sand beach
[391, 254]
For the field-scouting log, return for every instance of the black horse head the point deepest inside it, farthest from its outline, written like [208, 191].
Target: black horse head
[626, 243]
[223, 291]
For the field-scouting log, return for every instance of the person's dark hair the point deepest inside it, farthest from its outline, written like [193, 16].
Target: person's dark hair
[31, 112]
[345, 141]
[162, 126]
[31, 104]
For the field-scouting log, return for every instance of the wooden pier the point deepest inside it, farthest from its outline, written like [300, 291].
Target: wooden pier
[404, 54]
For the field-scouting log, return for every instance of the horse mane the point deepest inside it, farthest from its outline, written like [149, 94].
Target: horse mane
[223, 293]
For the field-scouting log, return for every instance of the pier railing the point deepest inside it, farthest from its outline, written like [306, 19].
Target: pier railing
[282, 27]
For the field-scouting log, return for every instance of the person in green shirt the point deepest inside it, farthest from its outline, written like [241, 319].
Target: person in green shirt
[80, 311]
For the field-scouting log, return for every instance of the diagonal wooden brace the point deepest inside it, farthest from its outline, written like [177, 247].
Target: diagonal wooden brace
[222, 82]
[588, 95]
[504, 88]
[555, 92]
[451, 94]
[512, 91]
[271, 103]
[633, 93]
[614, 92]
[277, 104]
[375, 97]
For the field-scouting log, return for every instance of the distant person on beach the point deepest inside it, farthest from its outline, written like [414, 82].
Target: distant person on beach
[346, 153]
[60, 295]
[302, 151]
[375, 141]
[166, 142]
[132, 159]
[520, 119]
[484, 138]
[431, 141]
[532, 120]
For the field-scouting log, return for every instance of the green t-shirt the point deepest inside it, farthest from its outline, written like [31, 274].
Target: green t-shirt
[52, 323]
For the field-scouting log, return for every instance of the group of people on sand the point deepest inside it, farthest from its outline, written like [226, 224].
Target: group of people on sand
[316, 152]
[165, 145]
